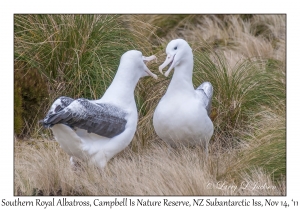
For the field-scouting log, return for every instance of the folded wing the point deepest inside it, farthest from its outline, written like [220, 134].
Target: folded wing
[205, 91]
[103, 119]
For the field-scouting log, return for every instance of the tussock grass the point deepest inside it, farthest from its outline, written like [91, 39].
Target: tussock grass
[76, 55]
[158, 170]
[265, 146]
[239, 92]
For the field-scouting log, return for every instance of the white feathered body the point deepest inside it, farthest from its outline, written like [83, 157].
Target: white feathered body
[94, 148]
[182, 115]
[182, 119]
[96, 130]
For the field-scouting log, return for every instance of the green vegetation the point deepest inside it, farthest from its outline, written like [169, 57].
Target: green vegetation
[239, 91]
[243, 56]
[73, 55]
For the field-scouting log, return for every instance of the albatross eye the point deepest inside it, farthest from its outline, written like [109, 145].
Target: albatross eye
[175, 48]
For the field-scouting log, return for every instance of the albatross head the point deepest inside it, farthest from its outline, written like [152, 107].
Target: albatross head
[177, 51]
[134, 59]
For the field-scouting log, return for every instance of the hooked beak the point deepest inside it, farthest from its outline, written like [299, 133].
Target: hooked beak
[146, 60]
[168, 60]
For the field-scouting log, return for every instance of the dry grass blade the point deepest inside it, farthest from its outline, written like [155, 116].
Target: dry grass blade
[159, 170]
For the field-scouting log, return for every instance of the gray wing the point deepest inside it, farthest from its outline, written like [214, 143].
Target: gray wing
[58, 105]
[102, 119]
[205, 90]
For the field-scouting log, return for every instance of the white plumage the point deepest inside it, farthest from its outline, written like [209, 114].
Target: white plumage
[96, 130]
[182, 115]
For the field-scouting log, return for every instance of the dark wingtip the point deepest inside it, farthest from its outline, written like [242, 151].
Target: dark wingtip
[45, 125]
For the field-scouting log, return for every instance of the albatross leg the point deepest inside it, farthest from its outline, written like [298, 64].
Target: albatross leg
[100, 160]
[206, 152]
[75, 164]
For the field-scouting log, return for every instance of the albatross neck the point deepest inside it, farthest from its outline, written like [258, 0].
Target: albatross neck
[182, 77]
[121, 90]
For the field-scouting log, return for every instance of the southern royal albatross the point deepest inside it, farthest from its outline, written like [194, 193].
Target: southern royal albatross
[182, 115]
[96, 130]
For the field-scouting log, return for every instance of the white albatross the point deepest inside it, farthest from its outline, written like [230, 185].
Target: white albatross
[182, 115]
[96, 130]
